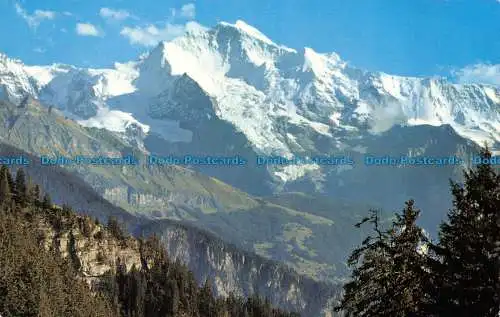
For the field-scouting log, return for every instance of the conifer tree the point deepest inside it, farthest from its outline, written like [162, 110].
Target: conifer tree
[66, 210]
[410, 272]
[21, 188]
[206, 300]
[29, 192]
[35, 193]
[12, 184]
[388, 269]
[367, 287]
[4, 185]
[75, 260]
[173, 297]
[467, 270]
[115, 228]
[13, 205]
[47, 201]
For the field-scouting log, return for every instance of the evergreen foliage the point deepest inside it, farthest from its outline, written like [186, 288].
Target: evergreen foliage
[387, 268]
[47, 201]
[466, 260]
[39, 282]
[398, 272]
[35, 282]
[34, 194]
[21, 188]
[5, 192]
[115, 228]
[75, 260]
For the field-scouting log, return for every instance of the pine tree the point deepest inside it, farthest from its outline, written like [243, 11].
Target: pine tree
[173, 297]
[137, 292]
[13, 205]
[121, 281]
[35, 193]
[206, 300]
[368, 281]
[115, 228]
[21, 188]
[467, 269]
[388, 269]
[47, 201]
[75, 260]
[66, 210]
[29, 191]
[11, 182]
[4, 185]
[410, 272]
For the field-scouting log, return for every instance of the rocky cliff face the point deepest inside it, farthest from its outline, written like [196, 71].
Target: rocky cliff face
[234, 271]
[95, 251]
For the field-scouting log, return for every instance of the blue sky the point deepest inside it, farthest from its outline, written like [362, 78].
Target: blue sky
[404, 37]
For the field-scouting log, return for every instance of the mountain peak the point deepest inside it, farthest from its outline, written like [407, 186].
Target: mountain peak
[321, 64]
[156, 57]
[252, 32]
[255, 83]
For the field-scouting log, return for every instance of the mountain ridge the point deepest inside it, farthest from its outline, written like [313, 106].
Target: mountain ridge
[225, 83]
[221, 91]
[169, 192]
[235, 62]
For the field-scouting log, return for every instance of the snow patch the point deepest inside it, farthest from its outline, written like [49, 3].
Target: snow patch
[41, 74]
[417, 121]
[391, 85]
[293, 172]
[112, 120]
[321, 128]
[493, 94]
[335, 118]
[111, 83]
[385, 117]
[477, 136]
[255, 33]
[199, 62]
[314, 61]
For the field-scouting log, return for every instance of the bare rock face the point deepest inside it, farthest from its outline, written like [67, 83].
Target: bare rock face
[96, 251]
[232, 270]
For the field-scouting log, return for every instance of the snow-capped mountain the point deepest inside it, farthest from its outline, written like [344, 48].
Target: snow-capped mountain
[230, 90]
[15, 82]
[271, 93]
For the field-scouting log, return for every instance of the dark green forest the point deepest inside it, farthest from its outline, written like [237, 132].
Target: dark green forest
[400, 271]
[36, 280]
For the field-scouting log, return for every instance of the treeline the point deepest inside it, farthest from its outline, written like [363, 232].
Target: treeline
[400, 271]
[39, 281]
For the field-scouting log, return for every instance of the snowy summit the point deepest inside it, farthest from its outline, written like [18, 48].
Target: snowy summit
[256, 85]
